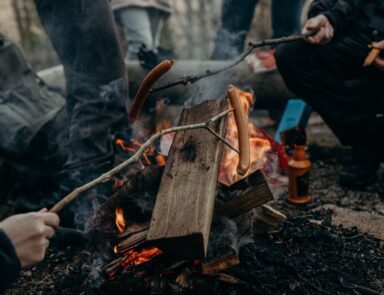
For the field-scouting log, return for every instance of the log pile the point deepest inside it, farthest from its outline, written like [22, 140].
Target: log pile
[188, 201]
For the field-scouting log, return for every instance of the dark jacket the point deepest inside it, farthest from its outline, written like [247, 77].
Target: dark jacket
[342, 13]
[9, 263]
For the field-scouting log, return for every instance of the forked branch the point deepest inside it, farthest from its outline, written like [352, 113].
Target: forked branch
[136, 157]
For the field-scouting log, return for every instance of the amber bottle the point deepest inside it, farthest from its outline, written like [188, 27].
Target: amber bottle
[299, 167]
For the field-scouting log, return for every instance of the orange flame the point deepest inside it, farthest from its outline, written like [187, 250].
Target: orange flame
[120, 221]
[136, 257]
[259, 145]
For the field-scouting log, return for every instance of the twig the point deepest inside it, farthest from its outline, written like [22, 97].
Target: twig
[105, 177]
[252, 46]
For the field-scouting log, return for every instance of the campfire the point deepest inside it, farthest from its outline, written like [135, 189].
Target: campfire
[197, 163]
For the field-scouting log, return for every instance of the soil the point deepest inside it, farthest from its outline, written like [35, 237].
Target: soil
[306, 255]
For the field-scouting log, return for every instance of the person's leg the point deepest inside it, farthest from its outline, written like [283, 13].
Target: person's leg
[286, 16]
[236, 19]
[136, 22]
[158, 19]
[85, 39]
[322, 76]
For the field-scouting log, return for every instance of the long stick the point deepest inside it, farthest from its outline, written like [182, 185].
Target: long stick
[252, 46]
[136, 157]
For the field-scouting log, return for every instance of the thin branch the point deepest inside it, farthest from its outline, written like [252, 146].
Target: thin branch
[252, 46]
[105, 177]
[222, 139]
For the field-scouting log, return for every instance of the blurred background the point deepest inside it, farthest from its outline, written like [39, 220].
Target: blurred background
[190, 31]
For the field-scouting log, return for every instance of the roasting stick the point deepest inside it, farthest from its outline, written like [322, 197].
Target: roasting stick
[105, 177]
[242, 130]
[252, 46]
[145, 88]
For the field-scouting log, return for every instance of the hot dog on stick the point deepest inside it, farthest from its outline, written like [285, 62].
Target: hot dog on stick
[145, 88]
[242, 128]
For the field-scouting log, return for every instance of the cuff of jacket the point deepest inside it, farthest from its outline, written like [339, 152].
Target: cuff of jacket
[332, 19]
[9, 262]
[377, 23]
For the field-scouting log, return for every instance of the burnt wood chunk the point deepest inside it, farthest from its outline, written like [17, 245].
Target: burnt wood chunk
[258, 194]
[183, 212]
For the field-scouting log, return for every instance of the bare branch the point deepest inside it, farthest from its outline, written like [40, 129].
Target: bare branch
[136, 157]
[193, 79]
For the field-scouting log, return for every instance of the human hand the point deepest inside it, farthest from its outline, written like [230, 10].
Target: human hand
[322, 26]
[379, 61]
[30, 234]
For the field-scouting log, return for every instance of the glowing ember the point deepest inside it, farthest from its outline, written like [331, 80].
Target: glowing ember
[259, 146]
[136, 257]
[120, 221]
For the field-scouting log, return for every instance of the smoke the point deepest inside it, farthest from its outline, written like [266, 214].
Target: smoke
[228, 235]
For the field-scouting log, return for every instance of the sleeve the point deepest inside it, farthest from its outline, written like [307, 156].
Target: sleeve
[9, 263]
[339, 12]
[377, 22]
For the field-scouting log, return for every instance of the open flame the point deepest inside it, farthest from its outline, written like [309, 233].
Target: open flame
[259, 145]
[136, 257]
[120, 220]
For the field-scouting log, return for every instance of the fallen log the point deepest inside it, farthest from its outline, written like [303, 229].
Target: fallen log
[269, 86]
[181, 219]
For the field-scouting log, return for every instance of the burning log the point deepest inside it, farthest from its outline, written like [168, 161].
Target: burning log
[183, 212]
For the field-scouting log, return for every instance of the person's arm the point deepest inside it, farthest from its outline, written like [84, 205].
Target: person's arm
[377, 22]
[24, 239]
[338, 12]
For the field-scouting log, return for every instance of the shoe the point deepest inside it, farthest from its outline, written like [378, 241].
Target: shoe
[361, 172]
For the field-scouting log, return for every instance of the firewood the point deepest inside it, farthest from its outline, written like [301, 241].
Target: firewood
[181, 220]
[267, 219]
[229, 279]
[222, 263]
[183, 278]
[132, 241]
[258, 194]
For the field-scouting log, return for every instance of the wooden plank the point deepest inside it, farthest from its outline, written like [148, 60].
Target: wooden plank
[183, 212]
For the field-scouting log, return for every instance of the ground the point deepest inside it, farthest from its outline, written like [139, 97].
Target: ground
[307, 255]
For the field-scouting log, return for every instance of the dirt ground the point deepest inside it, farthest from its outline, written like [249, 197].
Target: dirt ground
[306, 255]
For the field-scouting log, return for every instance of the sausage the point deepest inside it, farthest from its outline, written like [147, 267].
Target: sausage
[372, 56]
[145, 88]
[242, 129]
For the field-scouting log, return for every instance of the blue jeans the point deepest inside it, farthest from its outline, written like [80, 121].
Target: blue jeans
[141, 26]
[236, 21]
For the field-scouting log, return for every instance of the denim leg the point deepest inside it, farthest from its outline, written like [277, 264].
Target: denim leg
[236, 19]
[137, 27]
[85, 39]
[286, 16]
[158, 19]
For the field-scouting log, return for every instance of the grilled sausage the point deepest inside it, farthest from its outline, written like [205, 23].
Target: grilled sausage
[372, 56]
[145, 88]
[242, 129]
